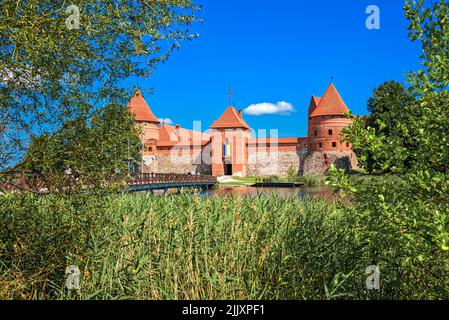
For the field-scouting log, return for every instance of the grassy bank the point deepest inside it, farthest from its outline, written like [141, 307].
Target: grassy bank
[309, 181]
[239, 181]
[189, 247]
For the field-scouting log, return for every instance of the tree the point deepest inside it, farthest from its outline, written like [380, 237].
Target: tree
[402, 218]
[60, 62]
[96, 149]
[389, 97]
[388, 105]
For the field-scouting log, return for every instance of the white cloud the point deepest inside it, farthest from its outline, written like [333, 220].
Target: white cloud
[166, 121]
[282, 107]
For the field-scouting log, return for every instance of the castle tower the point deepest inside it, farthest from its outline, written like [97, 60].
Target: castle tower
[147, 124]
[326, 121]
[230, 135]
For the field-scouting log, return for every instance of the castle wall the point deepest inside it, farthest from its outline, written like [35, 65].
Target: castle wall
[303, 162]
[189, 162]
[267, 161]
[317, 163]
[261, 163]
[266, 164]
[183, 165]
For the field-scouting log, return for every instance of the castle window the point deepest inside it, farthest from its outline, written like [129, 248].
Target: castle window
[315, 133]
[347, 144]
[320, 145]
[334, 144]
[330, 132]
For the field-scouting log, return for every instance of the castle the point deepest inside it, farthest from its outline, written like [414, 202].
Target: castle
[230, 149]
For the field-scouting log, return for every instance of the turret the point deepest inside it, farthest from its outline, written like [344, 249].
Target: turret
[230, 135]
[326, 121]
[147, 124]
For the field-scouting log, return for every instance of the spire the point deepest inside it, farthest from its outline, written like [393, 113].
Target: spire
[140, 109]
[330, 104]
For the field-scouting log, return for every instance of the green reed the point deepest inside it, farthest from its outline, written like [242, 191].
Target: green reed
[137, 246]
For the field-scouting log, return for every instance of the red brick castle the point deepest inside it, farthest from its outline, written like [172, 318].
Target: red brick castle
[230, 149]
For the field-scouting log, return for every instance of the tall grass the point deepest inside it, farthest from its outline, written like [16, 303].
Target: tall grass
[178, 247]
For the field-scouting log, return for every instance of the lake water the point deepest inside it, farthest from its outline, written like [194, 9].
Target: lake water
[322, 193]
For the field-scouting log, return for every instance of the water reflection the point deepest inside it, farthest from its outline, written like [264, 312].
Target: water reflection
[322, 193]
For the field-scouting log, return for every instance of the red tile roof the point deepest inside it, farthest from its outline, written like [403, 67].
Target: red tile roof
[230, 119]
[330, 104]
[313, 104]
[278, 141]
[182, 143]
[173, 136]
[140, 109]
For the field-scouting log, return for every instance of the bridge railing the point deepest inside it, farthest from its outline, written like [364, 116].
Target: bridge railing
[42, 183]
[168, 178]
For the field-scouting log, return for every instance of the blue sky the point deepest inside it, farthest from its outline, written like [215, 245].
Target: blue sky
[283, 50]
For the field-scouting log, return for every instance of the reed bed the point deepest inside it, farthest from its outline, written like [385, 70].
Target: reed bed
[137, 246]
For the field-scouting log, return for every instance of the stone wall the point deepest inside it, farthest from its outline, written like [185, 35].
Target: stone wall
[260, 164]
[163, 163]
[318, 163]
[150, 164]
[266, 164]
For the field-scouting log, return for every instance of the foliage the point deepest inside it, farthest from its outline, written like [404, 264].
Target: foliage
[390, 97]
[192, 247]
[292, 172]
[388, 105]
[96, 148]
[406, 214]
[52, 72]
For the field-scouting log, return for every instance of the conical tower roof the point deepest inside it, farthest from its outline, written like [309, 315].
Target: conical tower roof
[331, 104]
[313, 104]
[140, 109]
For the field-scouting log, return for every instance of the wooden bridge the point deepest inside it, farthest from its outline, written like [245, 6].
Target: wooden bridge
[140, 182]
[161, 181]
